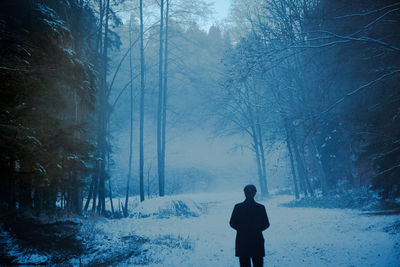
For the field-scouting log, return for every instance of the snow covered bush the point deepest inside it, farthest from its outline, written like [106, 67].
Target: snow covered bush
[166, 207]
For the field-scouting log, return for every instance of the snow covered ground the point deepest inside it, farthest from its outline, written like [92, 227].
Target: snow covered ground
[160, 234]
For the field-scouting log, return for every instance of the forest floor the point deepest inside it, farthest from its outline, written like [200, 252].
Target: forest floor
[197, 233]
[193, 230]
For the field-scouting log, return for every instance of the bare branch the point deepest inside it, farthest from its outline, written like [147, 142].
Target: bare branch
[360, 89]
[369, 12]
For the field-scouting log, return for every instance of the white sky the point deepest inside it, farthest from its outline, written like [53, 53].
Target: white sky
[221, 11]
[221, 8]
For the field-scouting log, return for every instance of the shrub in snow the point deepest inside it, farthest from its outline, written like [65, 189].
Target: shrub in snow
[166, 207]
[353, 199]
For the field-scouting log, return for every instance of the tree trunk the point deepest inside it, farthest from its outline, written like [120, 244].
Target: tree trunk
[259, 170]
[110, 194]
[100, 32]
[75, 192]
[160, 102]
[164, 115]
[258, 160]
[306, 176]
[10, 187]
[131, 122]
[148, 182]
[103, 118]
[89, 194]
[288, 143]
[95, 187]
[321, 172]
[299, 160]
[256, 145]
[262, 158]
[37, 198]
[25, 196]
[142, 69]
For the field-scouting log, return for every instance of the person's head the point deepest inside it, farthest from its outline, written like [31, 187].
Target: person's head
[250, 191]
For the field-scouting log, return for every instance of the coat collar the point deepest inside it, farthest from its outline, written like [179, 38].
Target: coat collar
[249, 200]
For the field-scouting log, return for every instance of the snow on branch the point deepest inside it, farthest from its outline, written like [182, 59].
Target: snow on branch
[362, 39]
[369, 12]
[387, 170]
[322, 45]
[382, 155]
[360, 89]
[11, 69]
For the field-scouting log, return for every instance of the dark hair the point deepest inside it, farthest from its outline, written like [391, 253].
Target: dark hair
[250, 191]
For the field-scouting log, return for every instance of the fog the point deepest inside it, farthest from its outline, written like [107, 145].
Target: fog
[229, 164]
[153, 132]
[194, 140]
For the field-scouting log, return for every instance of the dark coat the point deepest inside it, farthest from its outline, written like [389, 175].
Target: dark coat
[249, 219]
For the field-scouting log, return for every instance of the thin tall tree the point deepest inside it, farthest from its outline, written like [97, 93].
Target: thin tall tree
[141, 126]
[164, 104]
[103, 116]
[131, 121]
[160, 105]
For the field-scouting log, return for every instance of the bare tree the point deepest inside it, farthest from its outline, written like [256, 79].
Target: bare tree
[165, 97]
[131, 121]
[142, 92]
[160, 104]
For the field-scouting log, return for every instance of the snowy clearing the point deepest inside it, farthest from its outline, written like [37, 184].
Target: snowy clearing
[297, 236]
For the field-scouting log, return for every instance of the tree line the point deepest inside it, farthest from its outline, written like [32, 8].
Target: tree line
[54, 103]
[59, 92]
[321, 77]
[167, 42]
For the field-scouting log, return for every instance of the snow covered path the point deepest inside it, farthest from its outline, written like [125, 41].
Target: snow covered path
[297, 236]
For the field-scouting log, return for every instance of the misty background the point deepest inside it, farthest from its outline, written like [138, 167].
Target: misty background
[128, 129]
[165, 97]
[198, 158]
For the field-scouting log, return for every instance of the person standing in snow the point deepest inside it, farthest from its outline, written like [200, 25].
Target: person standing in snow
[249, 219]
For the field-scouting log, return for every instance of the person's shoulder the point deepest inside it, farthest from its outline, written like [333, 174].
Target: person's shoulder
[240, 204]
[259, 205]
